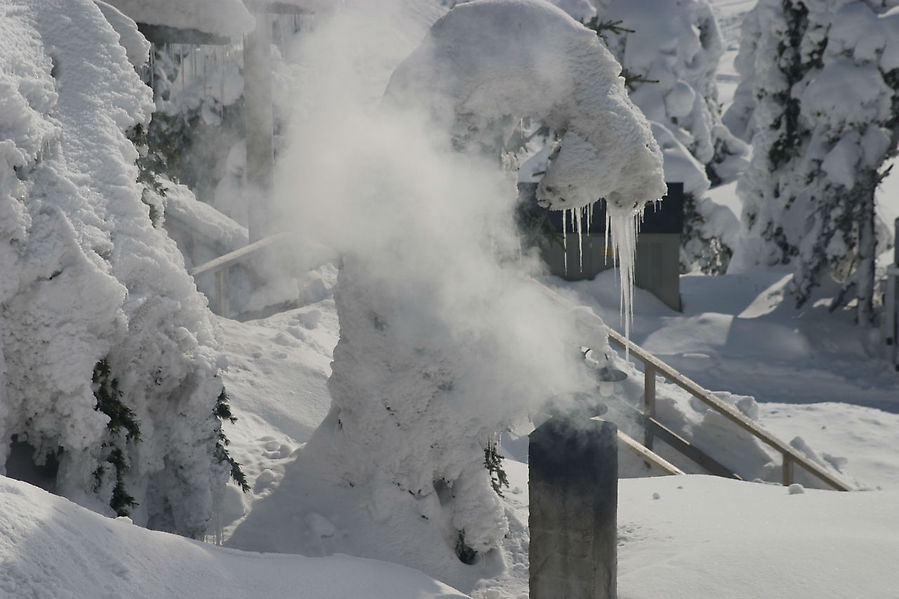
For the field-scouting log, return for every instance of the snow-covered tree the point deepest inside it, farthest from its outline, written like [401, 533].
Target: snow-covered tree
[818, 100]
[439, 348]
[109, 357]
[669, 52]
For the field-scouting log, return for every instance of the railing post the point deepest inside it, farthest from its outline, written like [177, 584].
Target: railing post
[787, 470]
[259, 125]
[221, 292]
[649, 402]
[891, 304]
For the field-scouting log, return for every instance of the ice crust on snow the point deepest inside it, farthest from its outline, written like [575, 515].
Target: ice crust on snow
[89, 278]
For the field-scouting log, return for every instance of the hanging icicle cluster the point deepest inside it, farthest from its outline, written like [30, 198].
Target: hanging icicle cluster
[621, 229]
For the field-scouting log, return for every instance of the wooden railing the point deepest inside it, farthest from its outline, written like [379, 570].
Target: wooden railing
[653, 367]
[646, 454]
[222, 264]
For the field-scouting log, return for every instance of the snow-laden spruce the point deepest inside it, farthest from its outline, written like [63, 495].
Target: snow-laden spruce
[817, 99]
[445, 339]
[109, 359]
[670, 52]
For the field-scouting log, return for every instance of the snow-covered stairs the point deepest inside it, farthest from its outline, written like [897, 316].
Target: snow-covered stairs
[653, 367]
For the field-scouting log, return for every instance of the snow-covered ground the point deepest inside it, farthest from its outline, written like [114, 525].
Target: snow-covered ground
[752, 534]
[816, 377]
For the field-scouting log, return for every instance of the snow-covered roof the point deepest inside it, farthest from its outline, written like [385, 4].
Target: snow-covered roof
[228, 18]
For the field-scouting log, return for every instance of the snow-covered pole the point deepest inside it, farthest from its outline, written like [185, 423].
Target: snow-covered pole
[573, 509]
[259, 124]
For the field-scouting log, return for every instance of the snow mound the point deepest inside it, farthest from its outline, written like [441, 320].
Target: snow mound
[50, 547]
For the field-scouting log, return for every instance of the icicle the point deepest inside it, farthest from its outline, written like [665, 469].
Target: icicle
[565, 240]
[220, 72]
[624, 224]
[181, 66]
[607, 239]
[580, 238]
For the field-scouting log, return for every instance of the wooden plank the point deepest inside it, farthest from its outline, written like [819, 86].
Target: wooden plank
[712, 465]
[238, 255]
[725, 409]
[222, 307]
[647, 455]
[649, 401]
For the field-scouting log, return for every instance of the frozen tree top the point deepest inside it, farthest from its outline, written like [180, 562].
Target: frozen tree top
[136, 45]
[478, 80]
[229, 18]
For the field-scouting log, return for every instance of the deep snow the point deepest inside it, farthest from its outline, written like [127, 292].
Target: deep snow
[815, 374]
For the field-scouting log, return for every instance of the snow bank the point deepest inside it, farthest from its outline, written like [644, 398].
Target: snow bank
[52, 548]
[110, 358]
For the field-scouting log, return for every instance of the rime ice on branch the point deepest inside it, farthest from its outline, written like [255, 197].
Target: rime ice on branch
[488, 64]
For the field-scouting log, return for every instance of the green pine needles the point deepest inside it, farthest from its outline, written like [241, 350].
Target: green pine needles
[493, 461]
[222, 411]
[122, 428]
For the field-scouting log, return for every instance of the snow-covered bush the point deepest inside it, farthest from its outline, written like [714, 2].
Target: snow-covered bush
[817, 99]
[669, 52]
[109, 358]
[446, 339]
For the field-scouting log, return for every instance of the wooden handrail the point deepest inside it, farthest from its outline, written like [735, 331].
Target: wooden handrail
[647, 454]
[653, 366]
[220, 267]
[237, 255]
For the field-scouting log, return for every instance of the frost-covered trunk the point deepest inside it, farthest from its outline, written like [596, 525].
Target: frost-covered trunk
[867, 251]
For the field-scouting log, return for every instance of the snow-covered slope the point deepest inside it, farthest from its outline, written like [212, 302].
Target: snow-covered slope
[707, 538]
[52, 549]
[689, 537]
